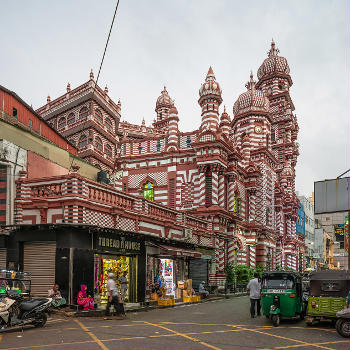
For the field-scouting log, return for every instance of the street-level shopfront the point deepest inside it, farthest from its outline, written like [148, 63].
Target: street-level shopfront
[167, 265]
[75, 255]
[71, 255]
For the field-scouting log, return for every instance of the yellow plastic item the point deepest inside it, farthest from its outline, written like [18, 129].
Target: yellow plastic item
[166, 302]
[192, 299]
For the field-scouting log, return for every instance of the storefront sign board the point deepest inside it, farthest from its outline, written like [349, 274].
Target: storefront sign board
[116, 243]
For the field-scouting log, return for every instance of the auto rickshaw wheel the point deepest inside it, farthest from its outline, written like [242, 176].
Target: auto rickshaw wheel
[310, 321]
[276, 319]
[343, 327]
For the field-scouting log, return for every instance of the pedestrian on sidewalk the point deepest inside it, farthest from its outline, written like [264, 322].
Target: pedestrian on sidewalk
[253, 288]
[113, 297]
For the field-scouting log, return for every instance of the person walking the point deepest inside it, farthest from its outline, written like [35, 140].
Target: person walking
[253, 288]
[113, 297]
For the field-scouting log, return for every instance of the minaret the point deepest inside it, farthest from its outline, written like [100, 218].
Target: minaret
[173, 138]
[210, 100]
[225, 123]
[163, 105]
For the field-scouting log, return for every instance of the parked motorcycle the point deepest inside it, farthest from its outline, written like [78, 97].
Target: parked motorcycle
[343, 323]
[14, 311]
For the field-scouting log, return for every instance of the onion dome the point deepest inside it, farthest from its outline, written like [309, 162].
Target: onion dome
[210, 87]
[274, 64]
[164, 100]
[253, 100]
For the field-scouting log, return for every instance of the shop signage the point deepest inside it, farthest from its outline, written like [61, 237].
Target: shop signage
[110, 242]
[339, 229]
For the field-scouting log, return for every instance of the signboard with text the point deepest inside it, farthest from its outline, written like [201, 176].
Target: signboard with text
[117, 243]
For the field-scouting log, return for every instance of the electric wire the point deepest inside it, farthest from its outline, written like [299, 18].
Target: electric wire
[101, 64]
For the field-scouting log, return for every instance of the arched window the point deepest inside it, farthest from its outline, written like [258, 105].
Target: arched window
[236, 204]
[108, 150]
[61, 122]
[83, 141]
[83, 113]
[71, 119]
[148, 192]
[98, 144]
[109, 124]
[99, 116]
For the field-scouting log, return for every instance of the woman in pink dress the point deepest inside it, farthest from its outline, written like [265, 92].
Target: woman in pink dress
[84, 300]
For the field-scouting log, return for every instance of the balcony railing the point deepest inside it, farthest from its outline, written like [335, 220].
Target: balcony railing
[68, 186]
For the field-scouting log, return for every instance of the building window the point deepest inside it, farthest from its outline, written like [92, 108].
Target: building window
[109, 124]
[98, 143]
[83, 113]
[148, 192]
[273, 135]
[188, 140]
[208, 189]
[237, 205]
[71, 119]
[99, 116]
[14, 112]
[148, 146]
[158, 146]
[83, 141]
[62, 122]
[30, 123]
[108, 150]
[140, 148]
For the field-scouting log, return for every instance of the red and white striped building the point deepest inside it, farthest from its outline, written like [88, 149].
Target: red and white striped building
[236, 173]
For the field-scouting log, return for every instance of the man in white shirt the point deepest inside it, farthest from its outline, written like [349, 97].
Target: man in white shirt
[113, 297]
[253, 288]
[202, 290]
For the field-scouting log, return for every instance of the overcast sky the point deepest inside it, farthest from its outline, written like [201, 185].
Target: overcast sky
[45, 44]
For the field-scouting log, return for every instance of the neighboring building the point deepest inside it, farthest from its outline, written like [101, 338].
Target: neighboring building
[300, 230]
[332, 198]
[309, 228]
[28, 147]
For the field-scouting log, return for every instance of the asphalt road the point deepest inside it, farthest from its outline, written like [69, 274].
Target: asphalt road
[219, 325]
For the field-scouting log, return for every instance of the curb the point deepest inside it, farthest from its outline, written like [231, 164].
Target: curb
[100, 313]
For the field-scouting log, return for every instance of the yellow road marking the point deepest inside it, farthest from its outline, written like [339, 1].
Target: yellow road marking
[0, 338]
[184, 336]
[296, 345]
[92, 335]
[47, 345]
[285, 338]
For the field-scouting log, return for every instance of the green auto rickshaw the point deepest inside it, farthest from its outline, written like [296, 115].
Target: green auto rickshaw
[282, 296]
[329, 290]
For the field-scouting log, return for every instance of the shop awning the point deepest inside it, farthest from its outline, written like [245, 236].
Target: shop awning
[179, 252]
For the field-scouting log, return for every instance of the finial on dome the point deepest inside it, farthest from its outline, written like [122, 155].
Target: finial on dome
[91, 74]
[210, 74]
[68, 87]
[143, 121]
[106, 90]
[273, 51]
[119, 103]
[224, 108]
[251, 83]
[48, 100]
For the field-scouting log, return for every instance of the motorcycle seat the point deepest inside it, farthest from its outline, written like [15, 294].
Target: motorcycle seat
[31, 304]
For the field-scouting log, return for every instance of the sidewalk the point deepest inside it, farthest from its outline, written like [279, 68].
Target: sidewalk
[137, 307]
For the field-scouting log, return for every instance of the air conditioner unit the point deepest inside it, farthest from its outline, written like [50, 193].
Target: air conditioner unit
[187, 233]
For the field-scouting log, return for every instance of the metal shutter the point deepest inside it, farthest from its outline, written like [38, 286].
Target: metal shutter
[198, 272]
[39, 260]
[3, 255]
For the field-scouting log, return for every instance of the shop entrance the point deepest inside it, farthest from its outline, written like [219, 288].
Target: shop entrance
[117, 264]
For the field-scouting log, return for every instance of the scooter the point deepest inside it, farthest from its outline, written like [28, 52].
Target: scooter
[14, 311]
[343, 323]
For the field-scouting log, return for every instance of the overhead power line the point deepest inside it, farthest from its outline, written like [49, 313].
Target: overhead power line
[101, 64]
